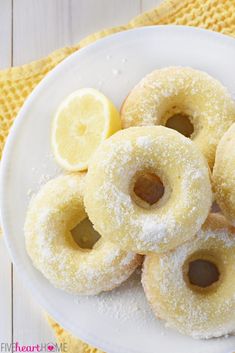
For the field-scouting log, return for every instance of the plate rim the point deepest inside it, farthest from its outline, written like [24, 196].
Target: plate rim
[9, 145]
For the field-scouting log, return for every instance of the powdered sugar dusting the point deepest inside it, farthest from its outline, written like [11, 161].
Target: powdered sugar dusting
[125, 303]
[49, 242]
[200, 316]
[143, 141]
[191, 92]
[110, 181]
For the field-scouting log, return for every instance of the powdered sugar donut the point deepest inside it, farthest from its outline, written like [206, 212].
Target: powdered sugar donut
[184, 99]
[224, 175]
[193, 287]
[121, 167]
[53, 213]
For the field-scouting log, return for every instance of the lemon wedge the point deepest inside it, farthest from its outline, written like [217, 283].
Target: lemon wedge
[83, 120]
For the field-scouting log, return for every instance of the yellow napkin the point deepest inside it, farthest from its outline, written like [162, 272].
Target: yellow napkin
[67, 342]
[17, 83]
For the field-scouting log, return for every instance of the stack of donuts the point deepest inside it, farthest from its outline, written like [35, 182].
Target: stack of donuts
[146, 200]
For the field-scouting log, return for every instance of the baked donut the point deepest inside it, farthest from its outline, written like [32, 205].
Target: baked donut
[114, 189]
[184, 99]
[224, 174]
[193, 287]
[55, 211]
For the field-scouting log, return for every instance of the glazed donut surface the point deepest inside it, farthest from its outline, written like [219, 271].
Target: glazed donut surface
[124, 218]
[55, 211]
[224, 174]
[203, 311]
[201, 106]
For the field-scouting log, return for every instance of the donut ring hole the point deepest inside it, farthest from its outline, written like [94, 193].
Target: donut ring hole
[215, 208]
[85, 235]
[181, 123]
[202, 272]
[180, 120]
[148, 189]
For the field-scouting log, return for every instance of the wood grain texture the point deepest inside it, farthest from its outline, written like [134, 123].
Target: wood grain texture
[5, 263]
[89, 16]
[149, 4]
[5, 294]
[30, 325]
[56, 23]
[39, 27]
[5, 33]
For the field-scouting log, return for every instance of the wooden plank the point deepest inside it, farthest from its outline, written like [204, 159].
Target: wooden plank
[5, 294]
[39, 27]
[30, 324]
[57, 23]
[5, 263]
[89, 16]
[5, 33]
[149, 4]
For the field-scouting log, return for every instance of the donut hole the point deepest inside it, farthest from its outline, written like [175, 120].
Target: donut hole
[85, 235]
[201, 273]
[181, 122]
[215, 208]
[148, 189]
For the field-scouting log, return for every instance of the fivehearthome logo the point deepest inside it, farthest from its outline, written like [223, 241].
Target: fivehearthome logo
[39, 347]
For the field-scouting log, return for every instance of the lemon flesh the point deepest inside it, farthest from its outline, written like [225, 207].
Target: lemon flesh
[82, 122]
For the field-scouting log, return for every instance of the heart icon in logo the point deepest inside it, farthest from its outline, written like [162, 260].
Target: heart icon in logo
[50, 347]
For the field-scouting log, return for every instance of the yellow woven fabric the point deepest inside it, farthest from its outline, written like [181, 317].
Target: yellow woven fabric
[17, 83]
[68, 343]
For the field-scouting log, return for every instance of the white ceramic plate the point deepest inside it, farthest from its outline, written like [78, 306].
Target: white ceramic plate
[120, 321]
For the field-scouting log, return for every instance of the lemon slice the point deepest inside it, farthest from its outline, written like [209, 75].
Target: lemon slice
[83, 120]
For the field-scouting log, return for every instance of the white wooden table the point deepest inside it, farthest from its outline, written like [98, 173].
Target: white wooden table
[30, 29]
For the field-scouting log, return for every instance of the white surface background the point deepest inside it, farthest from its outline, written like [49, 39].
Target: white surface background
[30, 29]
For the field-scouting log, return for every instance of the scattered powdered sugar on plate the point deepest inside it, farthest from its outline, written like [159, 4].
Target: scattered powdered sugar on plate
[116, 72]
[100, 83]
[41, 174]
[125, 303]
[30, 193]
